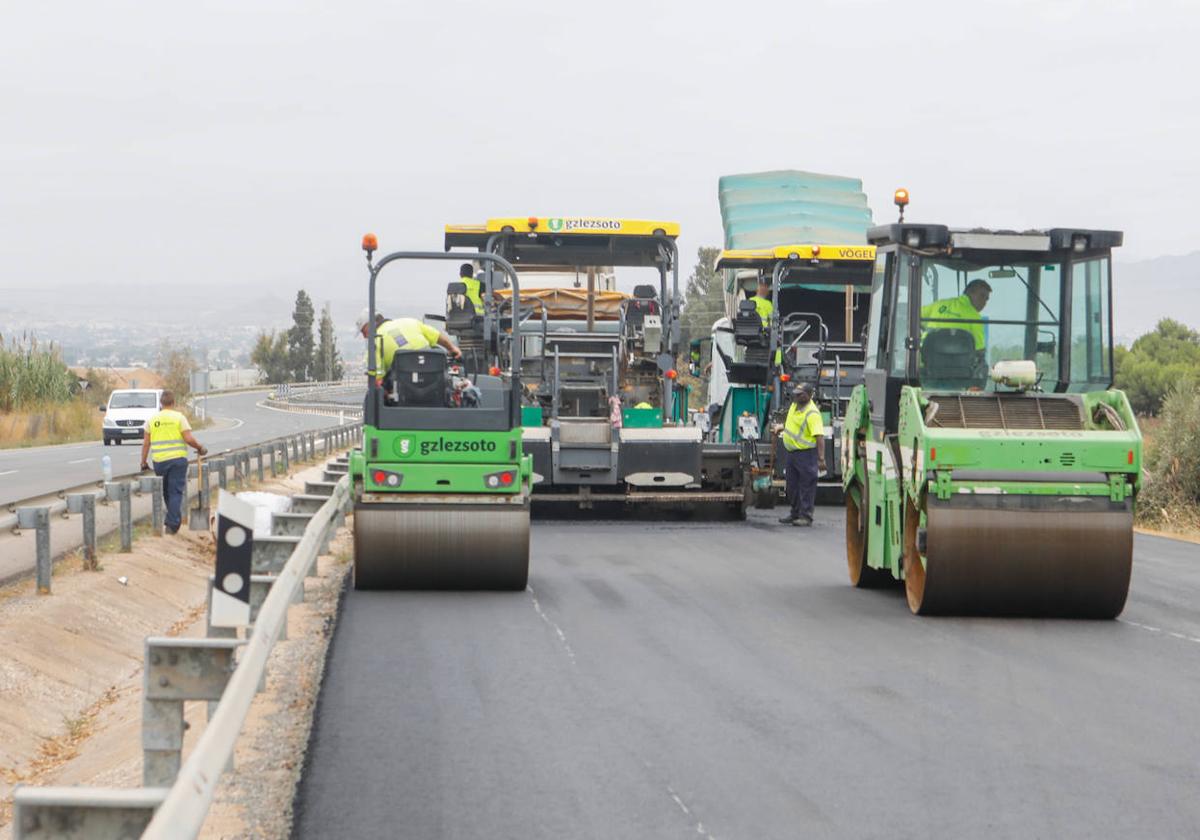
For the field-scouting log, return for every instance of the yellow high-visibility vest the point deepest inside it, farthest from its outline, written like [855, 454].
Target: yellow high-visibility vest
[764, 308]
[643, 405]
[961, 310]
[166, 435]
[802, 427]
[473, 295]
[410, 333]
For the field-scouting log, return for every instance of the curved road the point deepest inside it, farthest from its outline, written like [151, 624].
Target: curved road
[25, 473]
[723, 680]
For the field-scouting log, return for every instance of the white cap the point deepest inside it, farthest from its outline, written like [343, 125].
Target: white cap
[363, 318]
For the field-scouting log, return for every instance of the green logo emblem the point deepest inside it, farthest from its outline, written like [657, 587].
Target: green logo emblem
[405, 447]
[555, 224]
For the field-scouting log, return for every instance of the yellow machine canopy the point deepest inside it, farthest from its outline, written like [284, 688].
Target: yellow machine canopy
[810, 264]
[569, 240]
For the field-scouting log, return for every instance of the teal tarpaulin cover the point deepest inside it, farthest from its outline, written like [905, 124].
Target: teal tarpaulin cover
[762, 209]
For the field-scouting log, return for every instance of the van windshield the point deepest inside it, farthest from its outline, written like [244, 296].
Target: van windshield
[133, 399]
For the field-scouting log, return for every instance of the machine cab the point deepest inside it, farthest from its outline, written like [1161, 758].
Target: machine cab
[988, 310]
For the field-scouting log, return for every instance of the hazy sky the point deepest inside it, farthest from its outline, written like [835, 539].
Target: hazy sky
[255, 142]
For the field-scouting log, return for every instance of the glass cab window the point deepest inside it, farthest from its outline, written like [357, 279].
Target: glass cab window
[974, 314]
[1090, 321]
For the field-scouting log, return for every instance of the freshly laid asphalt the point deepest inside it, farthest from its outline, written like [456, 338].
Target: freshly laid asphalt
[723, 680]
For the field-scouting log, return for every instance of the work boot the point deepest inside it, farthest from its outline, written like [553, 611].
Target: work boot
[787, 520]
[802, 522]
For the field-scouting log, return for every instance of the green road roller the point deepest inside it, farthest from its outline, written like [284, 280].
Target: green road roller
[987, 461]
[441, 482]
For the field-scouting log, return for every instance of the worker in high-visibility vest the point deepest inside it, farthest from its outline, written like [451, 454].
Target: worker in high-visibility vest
[402, 335]
[762, 302]
[803, 436]
[962, 312]
[168, 436]
[466, 276]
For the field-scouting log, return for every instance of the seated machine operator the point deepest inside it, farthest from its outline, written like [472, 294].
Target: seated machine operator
[402, 335]
[964, 310]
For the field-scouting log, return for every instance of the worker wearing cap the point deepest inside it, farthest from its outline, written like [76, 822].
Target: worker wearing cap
[466, 276]
[168, 437]
[402, 335]
[963, 312]
[803, 436]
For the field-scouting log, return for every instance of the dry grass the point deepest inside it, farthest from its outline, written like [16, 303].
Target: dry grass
[50, 423]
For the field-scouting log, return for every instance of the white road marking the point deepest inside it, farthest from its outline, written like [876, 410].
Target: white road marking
[562, 637]
[1171, 633]
[81, 461]
[7, 472]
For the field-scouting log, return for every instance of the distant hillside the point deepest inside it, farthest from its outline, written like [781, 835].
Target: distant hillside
[1163, 287]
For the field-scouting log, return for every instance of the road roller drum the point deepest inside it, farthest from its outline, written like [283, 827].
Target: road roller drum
[1063, 556]
[437, 546]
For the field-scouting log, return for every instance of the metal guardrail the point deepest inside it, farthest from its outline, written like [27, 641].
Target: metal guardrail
[174, 801]
[277, 454]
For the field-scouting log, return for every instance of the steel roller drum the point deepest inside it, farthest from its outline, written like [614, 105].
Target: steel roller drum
[1048, 556]
[432, 546]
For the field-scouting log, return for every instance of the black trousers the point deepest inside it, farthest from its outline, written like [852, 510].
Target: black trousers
[801, 474]
[174, 475]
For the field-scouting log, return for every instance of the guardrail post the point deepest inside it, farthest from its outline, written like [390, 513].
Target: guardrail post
[177, 670]
[122, 491]
[259, 454]
[38, 518]
[283, 449]
[57, 812]
[274, 471]
[157, 514]
[89, 529]
[218, 464]
[198, 516]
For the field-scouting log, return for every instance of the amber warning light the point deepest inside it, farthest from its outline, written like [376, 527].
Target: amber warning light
[901, 199]
[370, 242]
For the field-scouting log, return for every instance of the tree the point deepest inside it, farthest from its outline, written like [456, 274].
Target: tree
[704, 300]
[327, 362]
[271, 357]
[1155, 363]
[300, 338]
[176, 365]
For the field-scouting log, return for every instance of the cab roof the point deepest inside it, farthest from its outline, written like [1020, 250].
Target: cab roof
[569, 240]
[987, 239]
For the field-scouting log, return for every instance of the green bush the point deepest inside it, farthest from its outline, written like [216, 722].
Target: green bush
[31, 374]
[1155, 363]
[1171, 495]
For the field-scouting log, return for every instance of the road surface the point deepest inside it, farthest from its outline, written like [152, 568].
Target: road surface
[30, 472]
[723, 680]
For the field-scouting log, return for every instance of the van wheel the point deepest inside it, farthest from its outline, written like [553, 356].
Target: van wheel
[108, 441]
[117, 441]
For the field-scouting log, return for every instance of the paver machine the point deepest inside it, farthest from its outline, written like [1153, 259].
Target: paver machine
[818, 294]
[605, 419]
[441, 481]
[987, 461]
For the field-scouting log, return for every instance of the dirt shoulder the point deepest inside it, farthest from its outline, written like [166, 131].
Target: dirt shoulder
[71, 672]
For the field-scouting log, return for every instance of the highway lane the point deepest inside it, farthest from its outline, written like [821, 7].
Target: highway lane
[30, 472]
[723, 680]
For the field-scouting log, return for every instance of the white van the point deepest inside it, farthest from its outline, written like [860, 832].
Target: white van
[127, 413]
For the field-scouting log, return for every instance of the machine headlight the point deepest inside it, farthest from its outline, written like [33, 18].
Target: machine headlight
[110, 424]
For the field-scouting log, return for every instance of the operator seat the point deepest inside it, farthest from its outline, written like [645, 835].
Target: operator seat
[644, 302]
[949, 359]
[460, 312]
[418, 378]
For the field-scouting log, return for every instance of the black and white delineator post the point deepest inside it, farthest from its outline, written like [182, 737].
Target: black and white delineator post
[235, 545]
